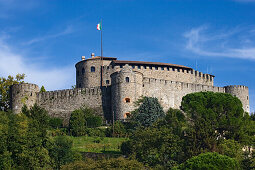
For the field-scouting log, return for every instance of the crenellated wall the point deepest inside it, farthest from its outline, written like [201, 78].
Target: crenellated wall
[61, 103]
[170, 93]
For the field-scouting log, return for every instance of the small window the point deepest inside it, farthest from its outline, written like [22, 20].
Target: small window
[121, 66]
[156, 68]
[151, 67]
[178, 70]
[139, 67]
[144, 67]
[167, 68]
[127, 100]
[173, 69]
[83, 71]
[127, 79]
[127, 115]
[162, 68]
[93, 69]
[247, 97]
[77, 73]
[133, 66]
[107, 82]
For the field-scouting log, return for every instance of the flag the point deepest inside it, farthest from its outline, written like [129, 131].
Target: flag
[99, 26]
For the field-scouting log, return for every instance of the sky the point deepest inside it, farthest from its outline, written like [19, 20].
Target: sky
[45, 39]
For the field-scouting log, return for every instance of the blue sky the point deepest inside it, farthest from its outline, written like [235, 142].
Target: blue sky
[44, 39]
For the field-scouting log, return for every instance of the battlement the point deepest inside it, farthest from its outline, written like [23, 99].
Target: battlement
[183, 85]
[237, 87]
[67, 93]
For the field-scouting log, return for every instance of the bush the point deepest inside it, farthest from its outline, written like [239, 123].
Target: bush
[55, 122]
[77, 123]
[96, 132]
[210, 160]
[113, 163]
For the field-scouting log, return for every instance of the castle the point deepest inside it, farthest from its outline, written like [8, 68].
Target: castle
[111, 87]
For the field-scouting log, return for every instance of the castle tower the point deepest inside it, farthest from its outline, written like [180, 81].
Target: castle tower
[88, 71]
[21, 94]
[242, 92]
[126, 89]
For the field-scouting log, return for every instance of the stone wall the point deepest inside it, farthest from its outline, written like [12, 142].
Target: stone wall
[62, 102]
[170, 93]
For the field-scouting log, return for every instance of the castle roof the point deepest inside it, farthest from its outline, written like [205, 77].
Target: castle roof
[118, 62]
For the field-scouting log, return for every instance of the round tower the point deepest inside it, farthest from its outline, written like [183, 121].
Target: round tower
[241, 92]
[126, 89]
[21, 94]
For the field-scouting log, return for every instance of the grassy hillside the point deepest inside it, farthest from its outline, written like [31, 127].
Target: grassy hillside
[97, 144]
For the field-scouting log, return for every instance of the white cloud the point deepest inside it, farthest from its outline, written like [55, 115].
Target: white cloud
[68, 30]
[206, 44]
[52, 78]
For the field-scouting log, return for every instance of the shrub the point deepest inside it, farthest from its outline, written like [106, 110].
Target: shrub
[55, 122]
[77, 123]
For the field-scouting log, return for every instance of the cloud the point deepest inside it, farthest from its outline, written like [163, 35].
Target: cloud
[68, 30]
[227, 44]
[52, 78]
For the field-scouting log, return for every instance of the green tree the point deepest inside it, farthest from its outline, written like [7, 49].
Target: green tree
[212, 118]
[77, 123]
[42, 89]
[61, 152]
[148, 112]
[210, 161]
[155, 146]
[108, 164]
[5, 84]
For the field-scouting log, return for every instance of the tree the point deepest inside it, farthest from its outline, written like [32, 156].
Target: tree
[42, 89]
[148, 112]
[61, 152]
[155, 146]
[77, 123]
[212, 117]
[5, 84]
[210, 160]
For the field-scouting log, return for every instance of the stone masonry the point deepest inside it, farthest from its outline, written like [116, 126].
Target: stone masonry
[112, 86]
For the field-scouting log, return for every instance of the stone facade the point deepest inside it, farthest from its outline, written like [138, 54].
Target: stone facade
[112, 86]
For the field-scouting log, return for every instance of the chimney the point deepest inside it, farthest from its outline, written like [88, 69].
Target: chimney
[92, 55]
[82, 58]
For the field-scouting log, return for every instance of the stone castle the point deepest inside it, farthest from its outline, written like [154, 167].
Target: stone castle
[112, 86]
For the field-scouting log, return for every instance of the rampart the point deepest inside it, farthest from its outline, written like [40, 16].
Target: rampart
[61, 103]
[170, 93]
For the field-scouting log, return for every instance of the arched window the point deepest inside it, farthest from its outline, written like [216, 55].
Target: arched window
[127, 100]
[127, 79]
[83, 71]
[107, 81]
[93, 69]
[127, 115]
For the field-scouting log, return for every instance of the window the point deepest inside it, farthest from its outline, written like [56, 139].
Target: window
[133, 66]
[151, 67]
[162, 68]
[247, 97]
[127, 115]
[139, 67]
[167, 68]
[107, 82]
[127, 79]
[156, 68]
[144, 67]
[127, 100]
[93, 69]
[121, 66]
[83, 71]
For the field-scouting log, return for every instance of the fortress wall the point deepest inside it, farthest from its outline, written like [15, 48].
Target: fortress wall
[61, 103]
[175, 74]
[170, 93]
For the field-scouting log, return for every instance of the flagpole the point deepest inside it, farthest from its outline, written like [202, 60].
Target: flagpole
[101, 54]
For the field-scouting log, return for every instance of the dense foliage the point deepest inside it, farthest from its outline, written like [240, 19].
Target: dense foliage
[5, 84]
[148, 112]
[210, 160]
[113, 163]
[82, 119]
